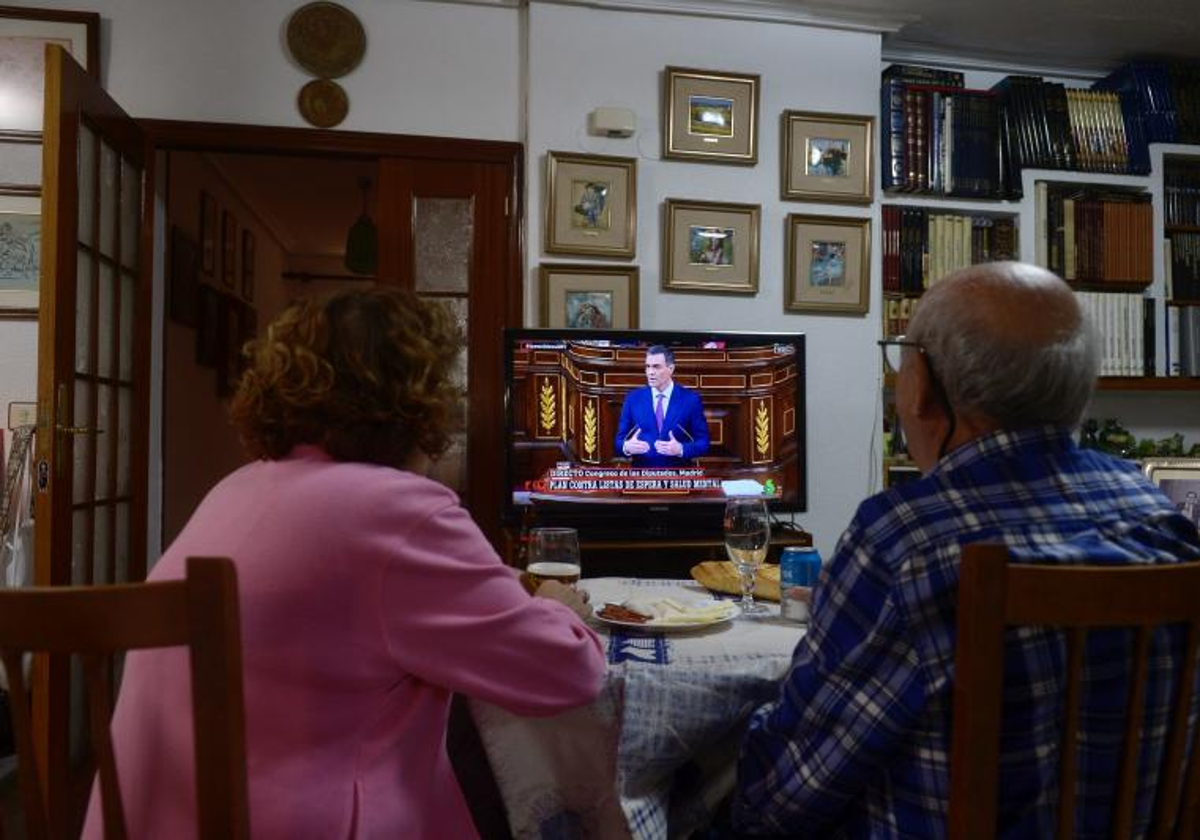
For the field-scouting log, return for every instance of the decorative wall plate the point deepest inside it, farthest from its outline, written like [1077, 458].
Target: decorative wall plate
[323, 103]
[326, 39]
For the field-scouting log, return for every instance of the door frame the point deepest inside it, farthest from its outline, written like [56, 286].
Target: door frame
[487, 468]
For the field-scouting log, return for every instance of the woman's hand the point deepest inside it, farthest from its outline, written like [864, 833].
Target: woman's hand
[569, 596]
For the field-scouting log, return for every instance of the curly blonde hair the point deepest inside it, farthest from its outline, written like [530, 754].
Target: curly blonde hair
[362, 374]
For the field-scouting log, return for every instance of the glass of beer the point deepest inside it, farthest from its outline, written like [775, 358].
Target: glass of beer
[553, 555]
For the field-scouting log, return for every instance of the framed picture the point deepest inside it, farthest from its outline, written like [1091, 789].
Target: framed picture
[710, 246]
[184, 287]
[1179, 479]
[24, 34]
[248, 265]
[208, 233]
[710, 116]
[827, 157]
[228, 249]
[20, 256]
[208, 325]
[828, 264]
[230, 332]
[589, 296]
[591, 205]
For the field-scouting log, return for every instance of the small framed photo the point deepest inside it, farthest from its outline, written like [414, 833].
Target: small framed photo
[1179, 479]
[710, 116]
[591, 205]
[710, 246]
[208, 233]
[24, 34]
[827, 157]
[828, 264]
[183, 290]
[228, 249]
[248, 265]
[897, 474]
[20, 256]
[589, 296]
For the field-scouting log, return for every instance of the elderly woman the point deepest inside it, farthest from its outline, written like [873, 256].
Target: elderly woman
[368, 596]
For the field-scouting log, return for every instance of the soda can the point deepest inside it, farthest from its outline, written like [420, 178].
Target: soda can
[799, 567]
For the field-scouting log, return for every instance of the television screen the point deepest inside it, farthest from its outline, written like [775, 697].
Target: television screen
[590, 442]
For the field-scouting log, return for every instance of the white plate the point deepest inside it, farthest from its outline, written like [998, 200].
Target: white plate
[650, 627]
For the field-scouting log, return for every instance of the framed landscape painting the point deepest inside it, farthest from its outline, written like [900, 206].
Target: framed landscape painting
[827, 157]
[588, 296]
[828, 264]
[710, 246]
[20, 256]
[710, 116]
[591, 205]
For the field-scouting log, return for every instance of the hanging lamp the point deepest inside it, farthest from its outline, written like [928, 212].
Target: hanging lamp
[362, 241]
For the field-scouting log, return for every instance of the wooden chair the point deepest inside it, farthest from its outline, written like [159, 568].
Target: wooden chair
[992, 595]
[200, 612]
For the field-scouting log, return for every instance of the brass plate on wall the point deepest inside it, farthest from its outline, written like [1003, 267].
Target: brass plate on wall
[326, 39]
[323, 103]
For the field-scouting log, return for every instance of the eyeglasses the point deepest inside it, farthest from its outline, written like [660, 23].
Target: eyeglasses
[893, 351]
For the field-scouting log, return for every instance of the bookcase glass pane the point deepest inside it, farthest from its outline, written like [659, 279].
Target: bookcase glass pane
[451, 468]
[84, 362]
[87, 185]
[104, 418]
[131, 202]
[101, 545]
[81, 461]
[458, 308]
[121, 529]
[125, 328]
[124, 433]
[443, 229]
[106, 294]
[81, 544]
[110, 163]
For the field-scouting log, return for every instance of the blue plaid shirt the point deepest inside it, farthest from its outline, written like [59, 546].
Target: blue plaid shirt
[858, 743]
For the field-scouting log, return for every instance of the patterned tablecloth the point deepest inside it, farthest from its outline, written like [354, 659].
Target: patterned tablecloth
[655, 753]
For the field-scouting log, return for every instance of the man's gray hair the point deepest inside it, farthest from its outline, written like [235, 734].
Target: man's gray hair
[1033, 374]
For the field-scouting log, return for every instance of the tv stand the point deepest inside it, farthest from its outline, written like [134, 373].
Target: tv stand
[652, 555]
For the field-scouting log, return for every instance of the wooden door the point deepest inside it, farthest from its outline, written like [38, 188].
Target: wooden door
[93, 340]
[449, 230]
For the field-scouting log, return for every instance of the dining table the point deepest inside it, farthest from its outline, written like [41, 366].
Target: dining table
[654, 755]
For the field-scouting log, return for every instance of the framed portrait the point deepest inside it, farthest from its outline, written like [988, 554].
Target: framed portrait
[20, 256]
[827, 157]
[710, 246]
[208, 233]
[228, 249]
[710, 116]
[248, 265]
[184, 286]
[1179, 479]
[828, 264]
[24, 34]
[591, 205]
[589, 296]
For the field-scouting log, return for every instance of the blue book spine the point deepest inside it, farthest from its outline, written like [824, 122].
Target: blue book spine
[893, 166]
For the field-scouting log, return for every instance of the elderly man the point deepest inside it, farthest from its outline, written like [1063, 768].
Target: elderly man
[997, 369]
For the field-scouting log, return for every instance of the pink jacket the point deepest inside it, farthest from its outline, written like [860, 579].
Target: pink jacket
[367, 596]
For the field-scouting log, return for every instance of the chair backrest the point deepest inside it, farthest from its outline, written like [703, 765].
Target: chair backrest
[994, 594]
[95, 622]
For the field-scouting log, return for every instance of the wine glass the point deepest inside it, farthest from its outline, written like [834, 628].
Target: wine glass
[747, 535]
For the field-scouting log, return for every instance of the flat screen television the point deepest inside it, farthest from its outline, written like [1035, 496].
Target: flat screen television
[567, 462]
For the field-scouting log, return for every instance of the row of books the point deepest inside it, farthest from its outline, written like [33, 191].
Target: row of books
[897, 313]
[1181, 193]
[1164, 98]
[1126, 326]
[1183, 341]
[1092, 235]
[1182, 258]
[921, 246]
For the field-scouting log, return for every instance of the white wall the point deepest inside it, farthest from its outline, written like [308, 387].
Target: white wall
[801, 68]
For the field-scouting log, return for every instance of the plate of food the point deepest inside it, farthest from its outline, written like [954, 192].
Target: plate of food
[666, 614]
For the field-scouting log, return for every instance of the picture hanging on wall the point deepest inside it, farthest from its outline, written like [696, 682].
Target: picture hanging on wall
[208, 326]
[827, 157]
[228, 249]
[24, 34]
[710, 116]
[183, 289]
[248, 265]
[20, 256]
[828, 264]
[710, 246]
[589, 296]
[1179, 479]
[208, 233]
[591, 205]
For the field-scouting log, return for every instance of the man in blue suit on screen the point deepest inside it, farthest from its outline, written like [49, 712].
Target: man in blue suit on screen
[662, 425]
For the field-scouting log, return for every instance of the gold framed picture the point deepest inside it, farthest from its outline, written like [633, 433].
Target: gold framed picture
[710, 116]
[24, 34]
[591, 205]
[828, 264]
[827, 157]
[20, 256]
[1179, 479]
[588, 296]
[710, 246]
